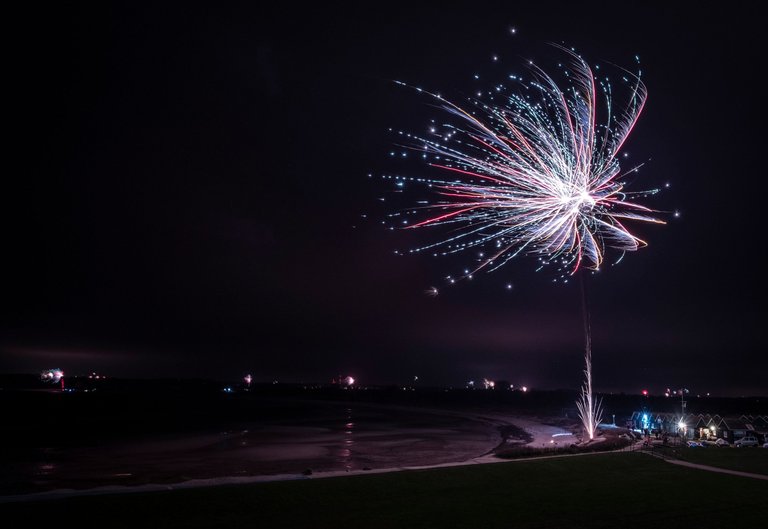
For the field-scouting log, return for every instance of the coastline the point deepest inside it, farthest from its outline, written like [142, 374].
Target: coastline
[540, 435]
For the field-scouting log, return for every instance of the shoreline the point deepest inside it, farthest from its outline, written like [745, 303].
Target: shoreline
[541, 435]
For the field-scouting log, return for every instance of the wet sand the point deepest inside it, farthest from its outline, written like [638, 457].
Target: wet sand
[331, 440]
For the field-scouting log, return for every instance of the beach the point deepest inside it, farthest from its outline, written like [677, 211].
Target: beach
[311, 439]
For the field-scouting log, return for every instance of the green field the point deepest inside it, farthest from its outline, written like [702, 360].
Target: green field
[605, 490]
[754, 460]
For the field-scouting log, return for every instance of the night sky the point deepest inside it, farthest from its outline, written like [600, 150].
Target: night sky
[192, 181]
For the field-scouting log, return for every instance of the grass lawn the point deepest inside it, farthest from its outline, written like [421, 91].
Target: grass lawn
[605, 490]
[753, 460]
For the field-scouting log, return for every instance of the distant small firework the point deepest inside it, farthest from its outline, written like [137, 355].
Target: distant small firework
[53, 376]
[533, 170]
[432, 292]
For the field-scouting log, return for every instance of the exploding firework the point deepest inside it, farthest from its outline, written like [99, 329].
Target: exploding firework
[53, 376]
[590, 408]
[533, 171]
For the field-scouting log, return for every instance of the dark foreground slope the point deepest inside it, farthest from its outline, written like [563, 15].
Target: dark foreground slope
[608, 490]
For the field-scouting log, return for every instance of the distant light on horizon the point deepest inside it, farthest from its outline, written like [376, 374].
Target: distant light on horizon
[52, 375]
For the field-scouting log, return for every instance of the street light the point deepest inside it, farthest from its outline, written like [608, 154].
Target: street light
[683, 430]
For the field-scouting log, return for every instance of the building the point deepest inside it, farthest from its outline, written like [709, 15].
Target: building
[700, 426]
[734, 428]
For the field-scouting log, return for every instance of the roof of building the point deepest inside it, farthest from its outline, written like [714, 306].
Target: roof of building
[695, 421]
[735, 423]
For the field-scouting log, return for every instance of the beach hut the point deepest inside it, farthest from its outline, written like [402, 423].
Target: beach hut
[709, 431]
[695, 426]
[734, 428]
[760, 425]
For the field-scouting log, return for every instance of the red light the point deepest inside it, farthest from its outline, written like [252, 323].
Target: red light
[645, 392]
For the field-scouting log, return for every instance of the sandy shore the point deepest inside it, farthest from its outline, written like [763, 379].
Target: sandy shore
[368, 442]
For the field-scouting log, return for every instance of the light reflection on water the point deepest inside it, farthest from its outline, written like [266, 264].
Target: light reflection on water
[45, 469]
[323, 438]
[344, 450]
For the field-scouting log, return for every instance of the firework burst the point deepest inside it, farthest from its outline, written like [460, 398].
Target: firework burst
[52, 375]
[533, 171]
